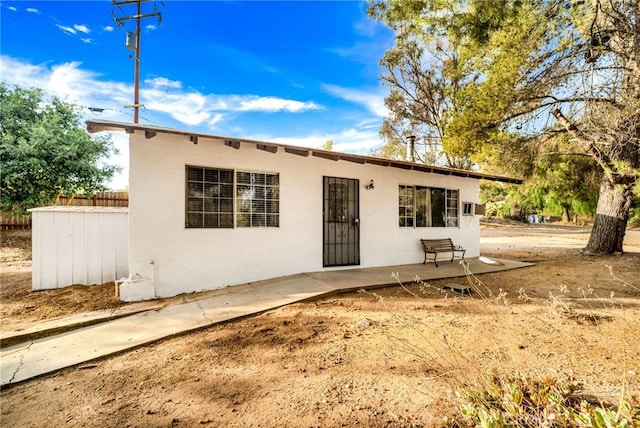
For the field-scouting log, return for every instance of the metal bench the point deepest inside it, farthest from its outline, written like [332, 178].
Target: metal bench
[436, 246]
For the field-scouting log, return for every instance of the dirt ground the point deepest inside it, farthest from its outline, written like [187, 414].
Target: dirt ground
[386, 357]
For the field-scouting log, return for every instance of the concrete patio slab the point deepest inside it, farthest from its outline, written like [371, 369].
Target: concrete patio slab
[39, 356]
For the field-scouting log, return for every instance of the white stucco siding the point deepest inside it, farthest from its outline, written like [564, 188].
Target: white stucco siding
[390, 244]
[186, 260]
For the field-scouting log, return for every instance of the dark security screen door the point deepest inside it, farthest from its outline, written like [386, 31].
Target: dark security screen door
[341, 221]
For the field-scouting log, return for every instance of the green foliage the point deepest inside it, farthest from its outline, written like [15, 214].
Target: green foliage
[634, 218]
[511, 84]
[423, 78]
[440, 85]
[328, 145]
[504, 200]
[520, 401]
[45, 151]
[559, 185]
[565, 186]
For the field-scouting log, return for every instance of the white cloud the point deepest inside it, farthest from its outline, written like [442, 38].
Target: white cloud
[32, 10]
[167, 99]
[350, 140]
[214, 120]
[151, 27]
[86, 40]
[108, 28]
[188, 108]
[18, 73]
[66, 29]
[70, 82]
[13, 9]
[372, 100]
[82, 28]
[272, 104]
[75, 29]
[194, 108]
[163, 82]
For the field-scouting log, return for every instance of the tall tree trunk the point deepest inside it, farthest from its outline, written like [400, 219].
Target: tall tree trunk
[610, 225]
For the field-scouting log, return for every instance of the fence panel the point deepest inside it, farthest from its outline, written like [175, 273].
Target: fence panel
[99, 199]
[15, 222]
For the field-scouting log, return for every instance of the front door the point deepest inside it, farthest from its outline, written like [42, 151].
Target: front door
[341, 221]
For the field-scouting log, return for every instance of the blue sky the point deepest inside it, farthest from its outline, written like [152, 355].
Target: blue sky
[296, 72]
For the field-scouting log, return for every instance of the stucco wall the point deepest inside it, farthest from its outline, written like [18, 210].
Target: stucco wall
[177, 260]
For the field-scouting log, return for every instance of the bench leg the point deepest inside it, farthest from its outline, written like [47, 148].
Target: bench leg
[435, 256]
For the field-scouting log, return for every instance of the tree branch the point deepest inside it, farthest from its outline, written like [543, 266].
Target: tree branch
[566, 154]
[602, 159]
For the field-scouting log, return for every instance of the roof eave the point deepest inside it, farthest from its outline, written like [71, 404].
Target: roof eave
[151, 131]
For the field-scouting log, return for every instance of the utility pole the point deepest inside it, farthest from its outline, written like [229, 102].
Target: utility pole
[135, 46]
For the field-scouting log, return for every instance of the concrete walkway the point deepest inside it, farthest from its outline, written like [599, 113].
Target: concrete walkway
[81, 338]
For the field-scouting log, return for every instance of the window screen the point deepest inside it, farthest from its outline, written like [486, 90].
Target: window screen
[257, 199]
[214, 197]
[209, 198]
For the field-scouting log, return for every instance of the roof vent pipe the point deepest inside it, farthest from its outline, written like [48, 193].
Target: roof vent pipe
[411, 148]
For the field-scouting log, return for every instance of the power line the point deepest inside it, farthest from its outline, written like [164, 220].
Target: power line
[50, 94]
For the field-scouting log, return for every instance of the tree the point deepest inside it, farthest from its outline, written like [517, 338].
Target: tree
[536, 71]
[45, 151]
[423, 79]
[564, 185]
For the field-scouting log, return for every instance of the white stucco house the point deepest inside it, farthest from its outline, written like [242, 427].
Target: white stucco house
[209, 211]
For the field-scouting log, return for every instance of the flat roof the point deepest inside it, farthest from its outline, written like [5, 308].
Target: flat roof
[80, 209]
[150, 131]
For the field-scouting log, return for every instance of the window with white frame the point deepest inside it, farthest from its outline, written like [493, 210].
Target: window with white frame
[452, 208]
[421, 206]
[222, 198]
[406, 206]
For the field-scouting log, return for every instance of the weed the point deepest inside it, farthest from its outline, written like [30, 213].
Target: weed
[520, 401]
[507, 397]
[523, 296]
[560, 307]
[379, 298]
